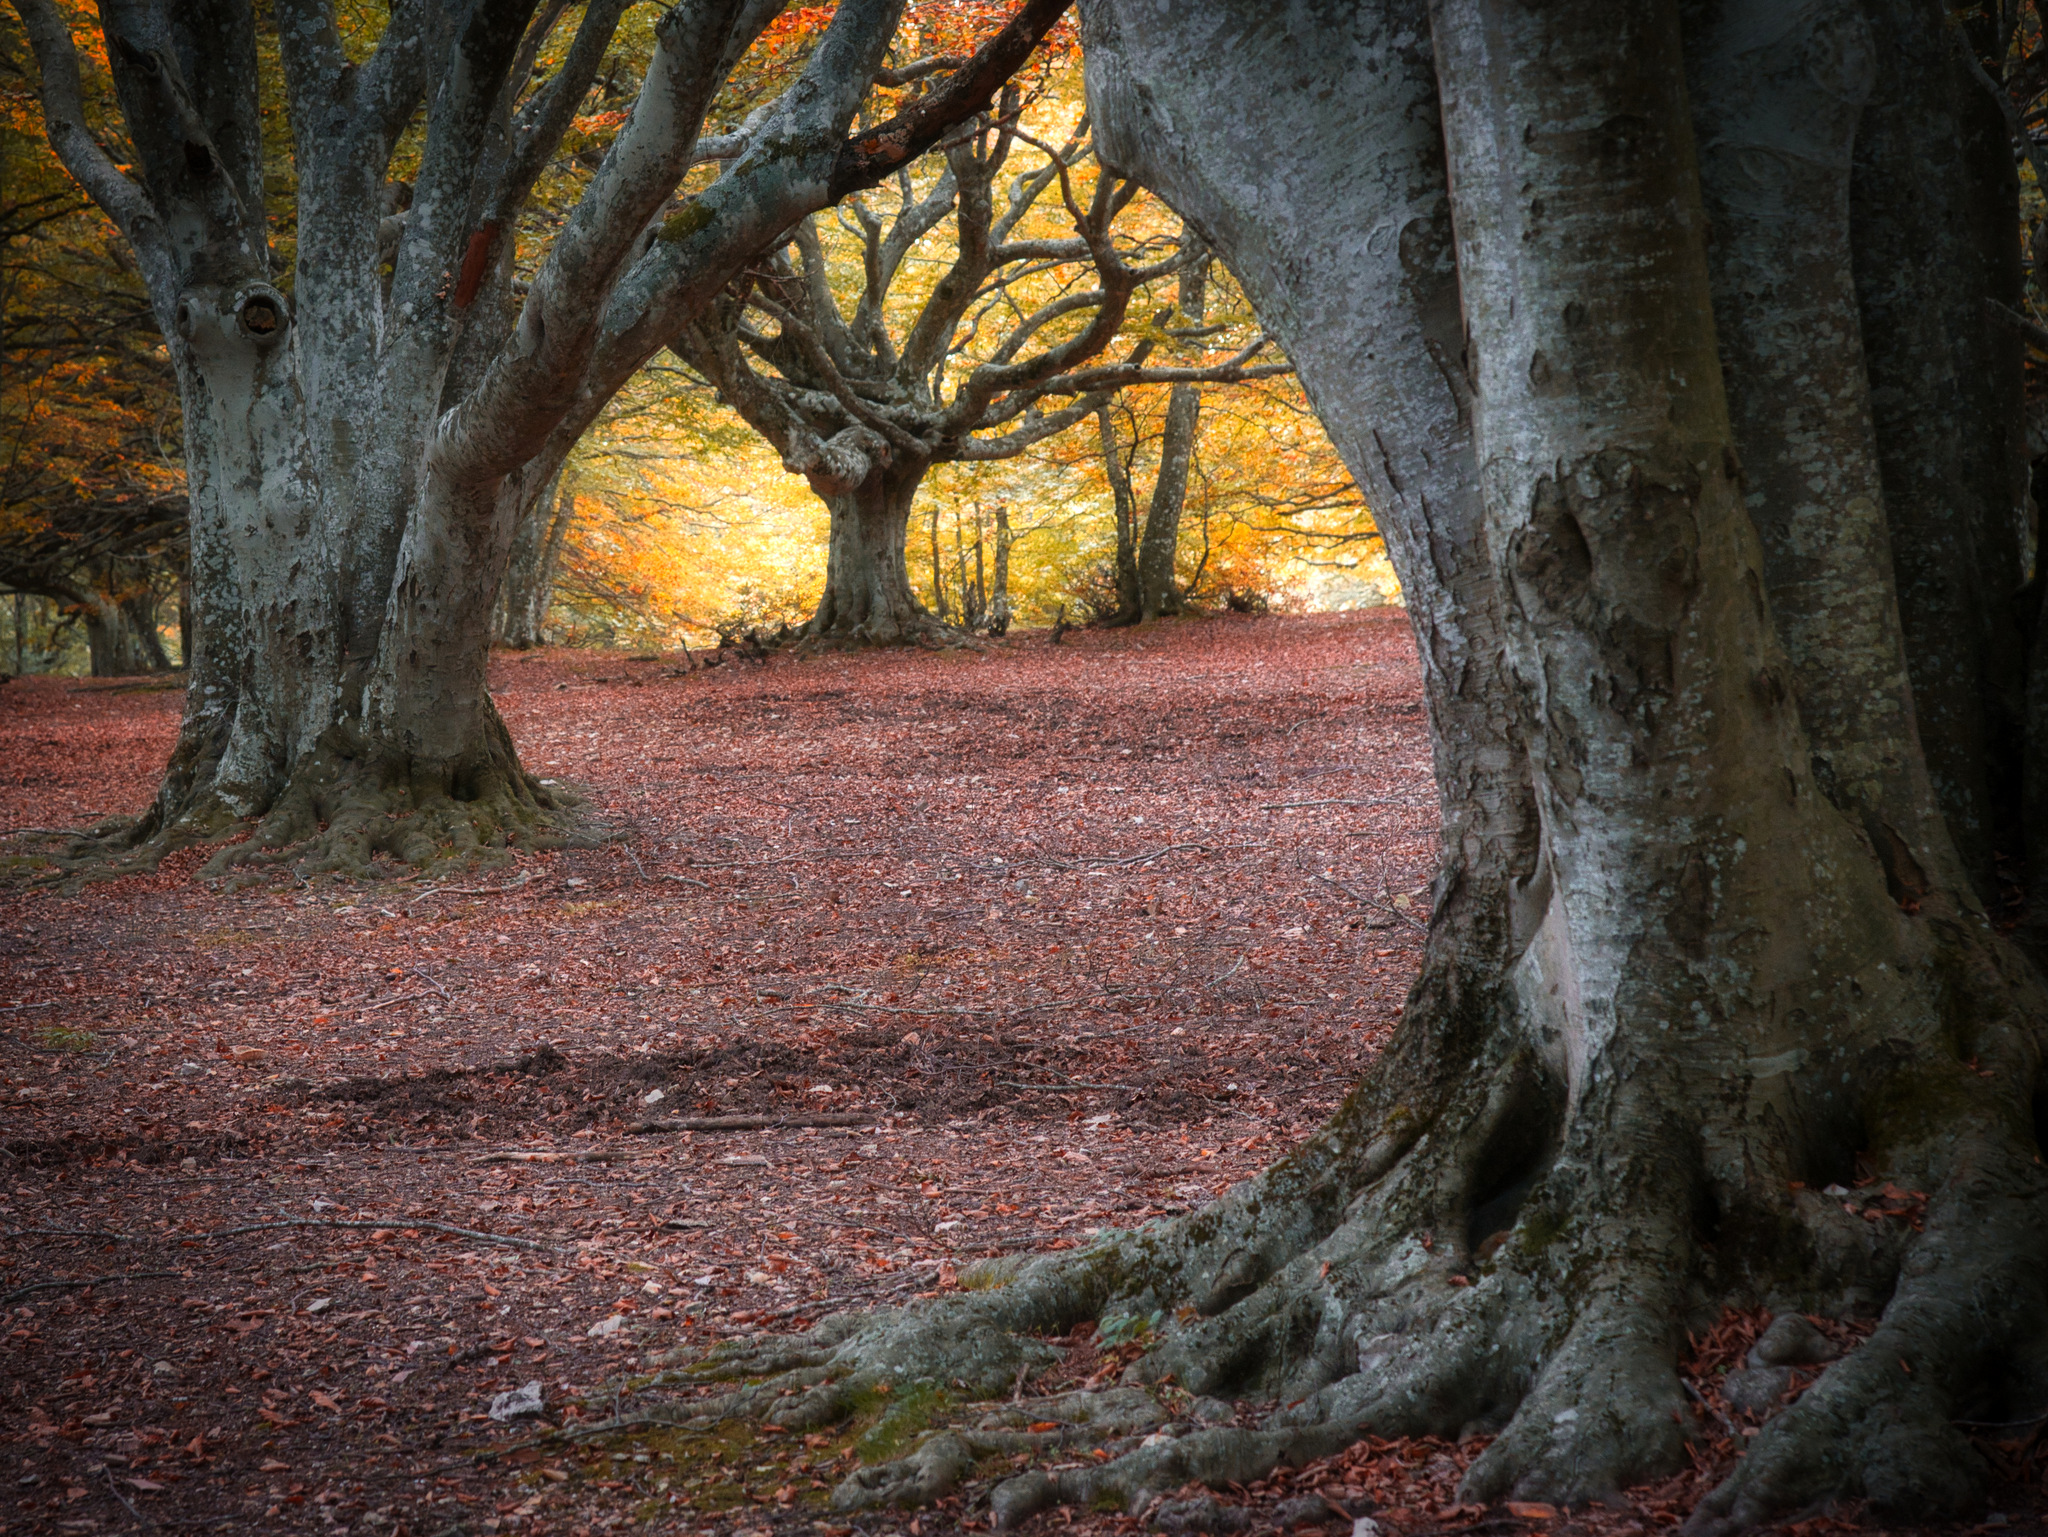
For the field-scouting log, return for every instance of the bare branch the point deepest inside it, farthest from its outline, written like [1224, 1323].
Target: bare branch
[966, 94]
[532, 382]
[835, 383]
[917, 69]
[131, 209]
[458, 126]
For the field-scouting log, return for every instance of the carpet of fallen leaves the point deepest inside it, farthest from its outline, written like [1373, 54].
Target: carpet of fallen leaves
[1002, 947]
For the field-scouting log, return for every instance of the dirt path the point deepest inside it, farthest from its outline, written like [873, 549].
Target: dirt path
[296, 1181]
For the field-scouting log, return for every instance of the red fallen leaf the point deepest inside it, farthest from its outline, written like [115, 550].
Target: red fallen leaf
[1040, 1426]
[1531, 1510]
[275, 1418]
[274, 1466]
[148, 1483]
[324, 1400]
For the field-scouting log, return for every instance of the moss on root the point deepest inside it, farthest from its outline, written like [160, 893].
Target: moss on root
[1349, 1285]
[347, 810]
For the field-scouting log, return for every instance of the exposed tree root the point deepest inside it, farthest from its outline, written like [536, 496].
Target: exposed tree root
[833, 629]
[1497, 1266]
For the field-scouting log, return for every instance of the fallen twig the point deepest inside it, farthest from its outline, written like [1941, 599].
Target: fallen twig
[1384, 907]
[371, 1008]
[1701, 1398]
[469, 891]
[429, 981]
[1293, 805]
[395, 1224]
[1133, 859]
[103, 1280]
[15, 1007]
[753, 1122]
[590, 1156]
[1071, 1083]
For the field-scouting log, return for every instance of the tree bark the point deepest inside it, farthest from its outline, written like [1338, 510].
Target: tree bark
[529, 587]
[999, 581]
[1932, 179]
[1124, 510]
[1777, 124]
[868, 599]
[1158, 590]
[120, 633]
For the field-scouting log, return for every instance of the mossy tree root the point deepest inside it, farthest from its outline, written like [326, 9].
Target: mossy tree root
[1462, 1253]
[347, 805]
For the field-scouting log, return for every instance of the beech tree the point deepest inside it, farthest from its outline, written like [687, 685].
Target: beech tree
[358, 451]
[864, 405]
[1146, 582]
[1705, 938]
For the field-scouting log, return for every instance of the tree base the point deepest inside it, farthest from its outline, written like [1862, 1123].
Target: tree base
[828, 630]
[349, 809]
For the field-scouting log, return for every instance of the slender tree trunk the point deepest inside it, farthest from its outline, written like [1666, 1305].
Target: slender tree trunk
[868, 598]
[938, 571]
[1124, 508]
[1158, 591]
[999, 590]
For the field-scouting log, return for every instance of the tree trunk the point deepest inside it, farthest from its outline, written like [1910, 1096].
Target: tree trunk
[1158, 591]
[116, 638]
[999, 585]
[529, 586]
[1700, 943]
[938, 571]
[1936, 232]
[868, 598]
[318, 605]
[1124, 508]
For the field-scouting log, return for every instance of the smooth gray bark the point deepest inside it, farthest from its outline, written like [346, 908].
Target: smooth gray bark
[529, 586]
[1158, 586]
[1931, 180]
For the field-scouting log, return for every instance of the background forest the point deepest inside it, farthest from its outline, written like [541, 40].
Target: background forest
[673, 522]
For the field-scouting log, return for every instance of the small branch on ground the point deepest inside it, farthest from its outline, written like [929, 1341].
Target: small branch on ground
[751, 1122]
[100, 1280]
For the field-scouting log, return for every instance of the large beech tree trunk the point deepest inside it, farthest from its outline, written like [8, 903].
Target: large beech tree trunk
[868, 599]
[1702, 936]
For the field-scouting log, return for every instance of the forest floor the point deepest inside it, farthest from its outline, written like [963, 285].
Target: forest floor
[294, 1180]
